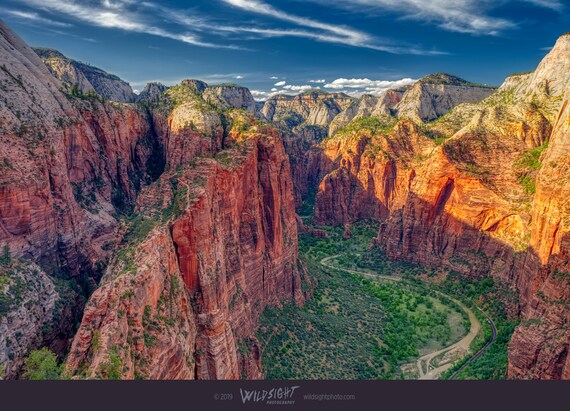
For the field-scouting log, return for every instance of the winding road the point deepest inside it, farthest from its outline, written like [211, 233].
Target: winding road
[427, 369]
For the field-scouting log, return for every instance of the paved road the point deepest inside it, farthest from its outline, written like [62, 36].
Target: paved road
[433, 372]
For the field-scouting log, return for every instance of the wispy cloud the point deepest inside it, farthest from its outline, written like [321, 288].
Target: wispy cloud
[550, 4]
[34, 17]
[280, 83]
[190, 27]
[464, 16]
[325, 32]
[316, 81]
[118, 15]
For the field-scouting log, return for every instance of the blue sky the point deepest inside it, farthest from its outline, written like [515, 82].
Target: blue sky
[287, 46]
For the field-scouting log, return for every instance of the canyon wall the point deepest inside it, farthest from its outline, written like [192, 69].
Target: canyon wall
[467, 177]
[492, 200]
[539, 347]
[184, 302]
[69, 167]
[366, 165]
[180, 300]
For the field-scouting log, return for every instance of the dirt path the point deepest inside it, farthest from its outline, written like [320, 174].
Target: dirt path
[451, 354]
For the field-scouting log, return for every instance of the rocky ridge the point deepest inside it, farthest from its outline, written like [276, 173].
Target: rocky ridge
[85, 77]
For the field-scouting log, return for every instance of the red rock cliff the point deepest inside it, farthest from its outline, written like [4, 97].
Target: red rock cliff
[472, 207]
[69, 165]
[229, 241]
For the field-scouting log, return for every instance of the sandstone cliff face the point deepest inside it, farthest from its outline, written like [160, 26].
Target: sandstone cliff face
[472, 207]
[34, 311]
[86, 77]
[180, 298]
[151, 92]
[231, 244]
[365, 165]
[434, 95]
[305, 119]
[79, 165]
[367, 106]
[27, 304]
[80, 162]
[230, 96]
[539, 348]
[367, 174]
[312, 108]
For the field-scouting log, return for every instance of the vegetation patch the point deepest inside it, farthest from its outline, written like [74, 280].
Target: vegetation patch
[370, 126]
[352, 327]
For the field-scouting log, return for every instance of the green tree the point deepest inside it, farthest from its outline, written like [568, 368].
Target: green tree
[5, 258]
[42, 365]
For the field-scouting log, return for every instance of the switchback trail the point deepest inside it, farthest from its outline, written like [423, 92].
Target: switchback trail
[426, 369]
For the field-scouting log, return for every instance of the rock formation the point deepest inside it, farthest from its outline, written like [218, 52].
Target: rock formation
[365, 166]
[436, 94]
[192, 289]
[311, 108]
[305, 120]
[368, 106]
[488, 201]
[84, 163]
[230, 96]
[86, 78]
[178, 212]
[34, 310]
[151, 92]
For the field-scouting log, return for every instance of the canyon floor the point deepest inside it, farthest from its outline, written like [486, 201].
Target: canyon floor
[374, 319]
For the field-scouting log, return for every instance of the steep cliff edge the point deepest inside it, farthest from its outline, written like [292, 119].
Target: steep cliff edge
[185, 299]
[304, 120]
[69, 201]
[539, 348]
[80, 163]
[367, 164]
[489, 201]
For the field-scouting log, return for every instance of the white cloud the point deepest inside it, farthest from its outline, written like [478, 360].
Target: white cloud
[550, 4]
[273, 77]
[280, 83]
[317, 81]
[330, 33]
[300, 88]
[117, 15]
[464, 16]
[239, 77]
[359, 86]
[260, 95]
[35, 18]
[273, 89]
